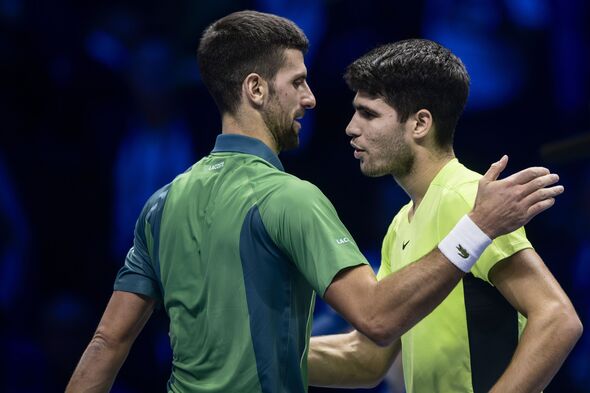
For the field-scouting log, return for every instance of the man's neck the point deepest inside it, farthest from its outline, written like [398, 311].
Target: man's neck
[426, 167]
[251, 126]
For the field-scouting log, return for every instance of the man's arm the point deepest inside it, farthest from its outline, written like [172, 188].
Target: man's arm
[123, 319]
[348, 360]
[552, 329]
[384, 310]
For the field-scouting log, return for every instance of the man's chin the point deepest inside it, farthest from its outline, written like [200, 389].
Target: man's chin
[290, 144]
[370, 172]
[291, 140]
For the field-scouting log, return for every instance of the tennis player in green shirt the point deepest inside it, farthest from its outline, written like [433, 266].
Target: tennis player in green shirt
[409, 97]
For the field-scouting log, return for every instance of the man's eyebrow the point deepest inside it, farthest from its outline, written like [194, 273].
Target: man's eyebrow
[362, 107]
[302, 74]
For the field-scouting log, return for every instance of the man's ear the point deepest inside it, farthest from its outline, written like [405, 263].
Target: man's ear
[255, 89]
[422, 124]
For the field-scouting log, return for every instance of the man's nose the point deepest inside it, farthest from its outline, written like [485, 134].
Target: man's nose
[352, 128]
[308, 100]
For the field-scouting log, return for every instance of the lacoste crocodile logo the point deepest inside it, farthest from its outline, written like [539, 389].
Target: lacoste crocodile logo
[462, 252]
[404, 245]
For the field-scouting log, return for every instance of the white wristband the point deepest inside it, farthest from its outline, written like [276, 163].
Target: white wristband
[464, 244]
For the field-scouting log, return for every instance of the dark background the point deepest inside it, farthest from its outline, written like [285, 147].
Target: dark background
[101, 104]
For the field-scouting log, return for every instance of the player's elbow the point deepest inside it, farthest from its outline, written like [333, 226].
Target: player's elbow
[377, 330]
[103, 340]
[100, 345]
[572, 325]
[567, 324]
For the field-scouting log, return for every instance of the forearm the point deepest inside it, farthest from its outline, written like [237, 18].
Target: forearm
[98, 367]
[348, 360]
[400, 300]
[124, 317]
[544, 345]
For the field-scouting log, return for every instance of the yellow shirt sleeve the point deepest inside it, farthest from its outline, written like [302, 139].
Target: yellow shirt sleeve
[501, 248]
[455, 203]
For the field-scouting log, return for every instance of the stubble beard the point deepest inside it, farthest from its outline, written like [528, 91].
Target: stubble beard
[404, 162]
[399, 159]
[281, 125]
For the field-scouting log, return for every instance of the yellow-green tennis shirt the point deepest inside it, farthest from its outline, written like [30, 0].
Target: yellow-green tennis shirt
[466, 343]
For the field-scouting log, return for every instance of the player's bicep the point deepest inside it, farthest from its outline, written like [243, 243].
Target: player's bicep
[525, 281]
[347, 293]
[124, 317]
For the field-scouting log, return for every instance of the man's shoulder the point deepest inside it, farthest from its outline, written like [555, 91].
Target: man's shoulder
[155, 202]
[293, 189]
[461, 184]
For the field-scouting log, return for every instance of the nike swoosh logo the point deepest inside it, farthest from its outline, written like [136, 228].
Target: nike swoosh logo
[462, 252]
[404, 245]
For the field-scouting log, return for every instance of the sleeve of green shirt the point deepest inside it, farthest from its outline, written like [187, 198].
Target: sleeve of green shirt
[137, 274]
[304, 224]
[454, 205]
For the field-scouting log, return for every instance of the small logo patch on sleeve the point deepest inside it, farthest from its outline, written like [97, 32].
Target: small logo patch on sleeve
[343, 240]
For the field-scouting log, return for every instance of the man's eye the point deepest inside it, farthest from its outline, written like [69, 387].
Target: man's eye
[298, 82]
[366, 114]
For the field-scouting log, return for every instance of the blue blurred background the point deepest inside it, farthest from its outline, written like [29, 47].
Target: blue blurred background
[101, 104]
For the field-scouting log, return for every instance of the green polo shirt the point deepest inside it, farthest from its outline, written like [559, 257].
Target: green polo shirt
[235, 249]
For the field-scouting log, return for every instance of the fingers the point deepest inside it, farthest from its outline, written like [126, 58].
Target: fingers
[515, 199]
[496, 168]
[542, 199]
[539, 183]
[539, 207]
[542, 194]
[526, 175]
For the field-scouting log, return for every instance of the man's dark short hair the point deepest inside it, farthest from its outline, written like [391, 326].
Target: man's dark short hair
[242, 43]
[415, 74]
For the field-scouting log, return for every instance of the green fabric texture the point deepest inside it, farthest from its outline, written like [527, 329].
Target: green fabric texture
[201, 269]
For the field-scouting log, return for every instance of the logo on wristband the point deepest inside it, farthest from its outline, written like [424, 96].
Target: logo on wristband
[462, 252]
